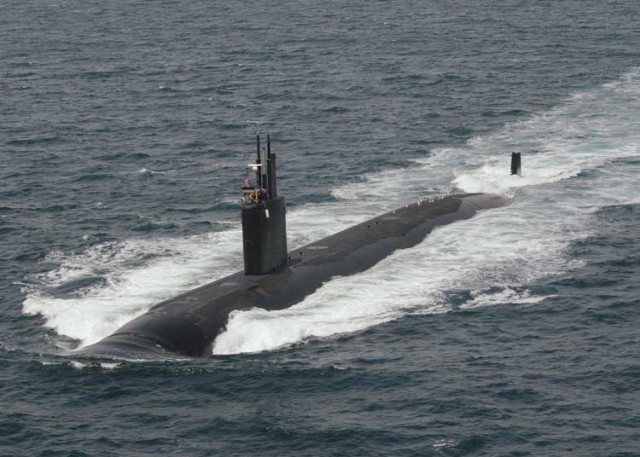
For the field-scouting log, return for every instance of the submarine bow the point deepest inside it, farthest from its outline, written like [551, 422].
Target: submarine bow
[274, 278]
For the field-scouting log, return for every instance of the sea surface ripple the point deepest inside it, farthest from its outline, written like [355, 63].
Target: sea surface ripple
[125, 127]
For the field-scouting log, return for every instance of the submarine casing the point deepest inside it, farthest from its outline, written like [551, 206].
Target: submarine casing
[189, 323]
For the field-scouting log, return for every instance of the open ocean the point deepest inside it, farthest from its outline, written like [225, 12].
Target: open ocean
[125, 127]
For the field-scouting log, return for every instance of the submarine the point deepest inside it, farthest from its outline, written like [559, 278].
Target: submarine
[273, 277]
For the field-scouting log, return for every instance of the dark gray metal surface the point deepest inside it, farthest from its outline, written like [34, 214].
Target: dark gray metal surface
[264, 236]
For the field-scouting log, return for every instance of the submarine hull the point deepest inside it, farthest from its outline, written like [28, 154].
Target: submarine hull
[189, 323]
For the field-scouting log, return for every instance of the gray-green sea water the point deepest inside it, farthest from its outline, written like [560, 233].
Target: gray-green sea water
[125, 127]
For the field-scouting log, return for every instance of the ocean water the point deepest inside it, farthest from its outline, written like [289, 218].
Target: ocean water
[124, 131]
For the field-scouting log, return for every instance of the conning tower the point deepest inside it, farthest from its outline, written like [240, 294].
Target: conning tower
[264, 228]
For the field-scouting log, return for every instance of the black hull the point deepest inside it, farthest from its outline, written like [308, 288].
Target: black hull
[188, 324]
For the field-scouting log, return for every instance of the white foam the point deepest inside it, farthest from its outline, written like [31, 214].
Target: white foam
[467, 255]
[596, 133]
[137, 274]
[576, 159]
[444, 444]
[146, 171]
[507, 295]
[78, 365]
[106, 366]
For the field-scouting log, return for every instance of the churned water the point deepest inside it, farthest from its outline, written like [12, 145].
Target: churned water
[124, 131]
